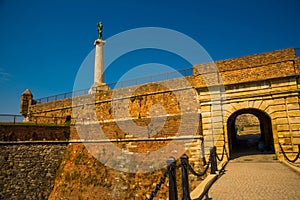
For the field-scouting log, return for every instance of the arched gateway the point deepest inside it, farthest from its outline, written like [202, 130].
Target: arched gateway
[265, 142]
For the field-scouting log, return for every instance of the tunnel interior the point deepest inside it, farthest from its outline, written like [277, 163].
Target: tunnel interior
[256, 137]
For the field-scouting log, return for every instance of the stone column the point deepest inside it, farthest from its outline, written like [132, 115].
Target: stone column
[99, 67]
[99, 62]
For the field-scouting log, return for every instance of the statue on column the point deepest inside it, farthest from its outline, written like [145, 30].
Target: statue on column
[100, 27]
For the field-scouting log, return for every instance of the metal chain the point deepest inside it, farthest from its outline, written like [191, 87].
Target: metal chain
[286, 157]
[158, 186]
[223, 153]
[198, 173]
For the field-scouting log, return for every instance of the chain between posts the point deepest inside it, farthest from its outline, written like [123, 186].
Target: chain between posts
[185, 167]
[287, 158]
[223, 153]
[158, 186]
[198, 173]
[171, 171]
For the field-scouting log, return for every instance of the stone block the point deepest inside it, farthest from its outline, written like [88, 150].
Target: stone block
[296, 140]
[257, 104]
[283, 127]
[278, 101]
[280, 114]
[264, 105]
[281, 121]
[293, 106]
[294, 113]
[278, 108]
[294, 99]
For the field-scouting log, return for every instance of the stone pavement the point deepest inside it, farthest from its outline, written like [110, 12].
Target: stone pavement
[256, 177]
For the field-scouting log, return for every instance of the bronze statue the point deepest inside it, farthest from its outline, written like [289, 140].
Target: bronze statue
[100, 27]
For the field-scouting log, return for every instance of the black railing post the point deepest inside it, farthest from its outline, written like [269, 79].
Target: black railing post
[184, 159]
[203, 153]
[173, 195]
[213, 160]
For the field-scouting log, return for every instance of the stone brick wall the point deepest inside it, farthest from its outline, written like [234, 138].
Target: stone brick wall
[247, 68]
[246, 120]
[245, 77]
[33, 132]
[32, 168]
[266, 82]
[141, 98]
[104, 104]
[28, 169]
[82, 176]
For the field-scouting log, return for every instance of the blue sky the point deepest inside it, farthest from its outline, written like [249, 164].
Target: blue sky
[43, 43]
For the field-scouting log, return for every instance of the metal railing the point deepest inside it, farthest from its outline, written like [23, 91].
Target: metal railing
[62, 96]
[185, 166]
[37, 120]
[121, 84]
[11, 118]
[127, 83]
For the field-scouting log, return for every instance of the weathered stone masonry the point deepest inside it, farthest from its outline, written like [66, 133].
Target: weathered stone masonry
[267, 82]
[28, 168]
[266, 85]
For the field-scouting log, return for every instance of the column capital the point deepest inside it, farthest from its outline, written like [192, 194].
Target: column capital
[99, 41]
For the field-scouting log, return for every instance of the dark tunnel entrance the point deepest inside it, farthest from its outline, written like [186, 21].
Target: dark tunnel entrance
[249, 132]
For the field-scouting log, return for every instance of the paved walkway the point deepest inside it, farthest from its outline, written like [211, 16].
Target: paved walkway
[256, 177]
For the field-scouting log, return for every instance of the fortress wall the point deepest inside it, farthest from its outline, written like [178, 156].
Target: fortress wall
[138, 100]
[279, 99]
[28, 169]
[284, 68]
[258, 81]
[174, 96]
[81, 175]
[247, 79]
[33, 132]
[247, 68]
[246, 120]
[245, 62]
[50, 112]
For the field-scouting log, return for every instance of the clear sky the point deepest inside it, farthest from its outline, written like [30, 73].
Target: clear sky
[43, 42]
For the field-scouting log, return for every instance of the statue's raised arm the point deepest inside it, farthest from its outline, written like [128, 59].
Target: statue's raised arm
[100, 27]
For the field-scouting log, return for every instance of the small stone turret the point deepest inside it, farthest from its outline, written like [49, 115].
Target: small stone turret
[26, 101]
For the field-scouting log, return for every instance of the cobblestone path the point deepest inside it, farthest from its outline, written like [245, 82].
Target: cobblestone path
[256, 177]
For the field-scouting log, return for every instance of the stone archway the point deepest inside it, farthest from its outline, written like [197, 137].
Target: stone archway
[266, 133]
